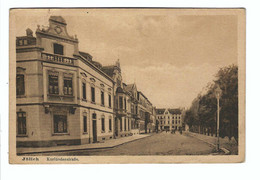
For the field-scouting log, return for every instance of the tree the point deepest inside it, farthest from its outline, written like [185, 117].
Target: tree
[202, 113]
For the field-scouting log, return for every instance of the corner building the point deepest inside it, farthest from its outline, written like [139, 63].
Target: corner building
[63, 96]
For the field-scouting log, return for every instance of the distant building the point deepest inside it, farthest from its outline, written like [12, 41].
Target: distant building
[169, 119]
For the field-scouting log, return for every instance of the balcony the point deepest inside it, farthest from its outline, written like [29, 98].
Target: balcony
[57, 58]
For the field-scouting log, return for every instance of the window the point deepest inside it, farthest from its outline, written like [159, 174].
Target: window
[58, 49]
[60, 124]
[67, 89]
[53, 84]
[21, 123]
[176, 122]
[110, 124]
[103, 124]
[20, 88]
[121, 126]
[109, 100]
[128, 125]
[84, 95]
[94, 116]
[172, 121]
[125, 102]
[85, 124]
[125, 124]
[120, 102]
[102, 98]
[92, 94]
[168, 122]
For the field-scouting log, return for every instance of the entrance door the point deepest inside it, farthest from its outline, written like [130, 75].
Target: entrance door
[94, 130]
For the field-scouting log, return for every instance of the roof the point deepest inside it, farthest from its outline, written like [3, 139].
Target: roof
[109, 70]
[129, 87]
[174, 111]
[86, 55]
[171, 111]
[160, 111]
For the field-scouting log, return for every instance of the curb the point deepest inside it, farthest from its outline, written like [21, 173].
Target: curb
[226, 151]
[77, 149]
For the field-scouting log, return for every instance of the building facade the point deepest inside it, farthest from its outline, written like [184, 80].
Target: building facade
[169, 119]
[65, 98]
[62, 96]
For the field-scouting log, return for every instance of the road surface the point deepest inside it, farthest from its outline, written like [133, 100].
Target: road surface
[157, 144]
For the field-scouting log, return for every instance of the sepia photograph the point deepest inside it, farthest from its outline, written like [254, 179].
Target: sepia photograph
[127, 85]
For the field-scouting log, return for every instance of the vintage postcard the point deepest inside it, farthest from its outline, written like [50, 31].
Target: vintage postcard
[127, 85]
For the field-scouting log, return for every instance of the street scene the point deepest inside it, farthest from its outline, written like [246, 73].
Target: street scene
[156, 144]
[136, 84]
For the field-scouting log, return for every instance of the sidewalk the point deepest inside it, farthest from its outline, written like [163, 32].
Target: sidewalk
[229, 147]
[107, 144]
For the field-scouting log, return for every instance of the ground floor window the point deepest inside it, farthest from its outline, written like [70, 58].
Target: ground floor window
[85, 124]
[110, 124]
[125, 124]
[121, 127]
[103, 124]
[21, 123]
[60, 124]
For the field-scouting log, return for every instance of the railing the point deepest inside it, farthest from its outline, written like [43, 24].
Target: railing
[57, 58]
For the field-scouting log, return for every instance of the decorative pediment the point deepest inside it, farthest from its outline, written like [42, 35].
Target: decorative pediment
[20, 70]
[83, 74]
[92, 80]
[102, 85]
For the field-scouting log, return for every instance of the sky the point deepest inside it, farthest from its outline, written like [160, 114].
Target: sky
[169, 54]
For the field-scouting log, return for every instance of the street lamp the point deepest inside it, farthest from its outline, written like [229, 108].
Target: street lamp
[218, 94]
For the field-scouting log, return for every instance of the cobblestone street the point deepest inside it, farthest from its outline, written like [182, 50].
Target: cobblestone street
[157, 144]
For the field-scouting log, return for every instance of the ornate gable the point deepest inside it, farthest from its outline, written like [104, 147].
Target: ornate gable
[57, 28]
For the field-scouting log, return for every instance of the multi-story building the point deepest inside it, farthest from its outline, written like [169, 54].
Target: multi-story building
[169, 119]
[132, 90]
[66, 98]
[63, 97]
[145, 109]
[122, 98]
